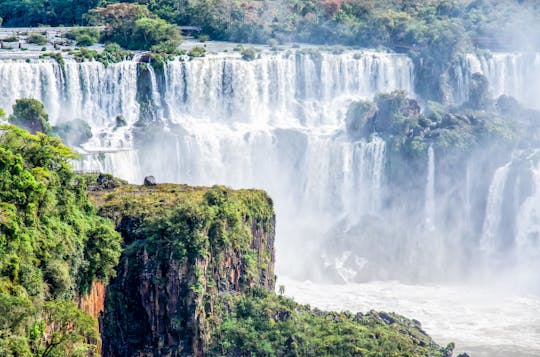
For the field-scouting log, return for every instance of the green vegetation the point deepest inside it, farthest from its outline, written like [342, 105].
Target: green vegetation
[220, 211]
[433, 33]
[84, 36]
[46, 12]
[398, 119]
[37, 39]
[30, 114]
[134, 27]
[197, 51]
[52, 247]
[248, 54]
[399, 24]
[112, 53]
[10, 39]
[262, 323]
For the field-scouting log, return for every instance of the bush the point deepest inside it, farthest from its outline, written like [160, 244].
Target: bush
[203, 38]
[167, 47]
[273, 43]
[78, 33]
[85, 40]
[248, 54]
[37, 39]
[10, 39]
[197, 52]
[149, 32]
[57, 247]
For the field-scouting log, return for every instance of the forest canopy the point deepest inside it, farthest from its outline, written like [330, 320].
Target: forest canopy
[397, 24]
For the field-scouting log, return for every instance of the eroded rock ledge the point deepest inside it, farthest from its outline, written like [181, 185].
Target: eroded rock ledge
[196, 277]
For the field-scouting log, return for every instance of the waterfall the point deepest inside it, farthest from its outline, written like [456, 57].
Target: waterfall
[155, 94]
[513, 74]
[528, 223]
[283, 90]
[429, 205]
[492, 220]
[276, 123]
[88, 91]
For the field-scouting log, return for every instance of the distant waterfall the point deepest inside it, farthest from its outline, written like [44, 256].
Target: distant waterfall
[493, 214]
[429, 205]
[528, 233]
[86, 90]
[283, 90]
[513, 74]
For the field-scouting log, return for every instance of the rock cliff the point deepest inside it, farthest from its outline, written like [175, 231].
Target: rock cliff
[184, 247]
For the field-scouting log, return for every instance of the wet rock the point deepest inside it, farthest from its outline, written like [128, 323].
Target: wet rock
[150, 181]
[120, 121]
[358, 116]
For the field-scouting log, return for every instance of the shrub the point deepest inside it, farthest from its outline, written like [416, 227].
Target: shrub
[85, 40]
[272, 42]
[37, 39]
[248, 54]
[168, 47]
[84, 32]
[10, 39]
[203, 38]
[197, 52]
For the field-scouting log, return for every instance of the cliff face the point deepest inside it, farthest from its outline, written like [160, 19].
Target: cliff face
[93, 302]
[184, 248]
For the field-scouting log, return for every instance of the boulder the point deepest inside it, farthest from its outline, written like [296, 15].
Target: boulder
[150, 181]
[120, 121]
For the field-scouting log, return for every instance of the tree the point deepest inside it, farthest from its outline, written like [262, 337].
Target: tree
[148, 32]
[133, 26]
[30, 114]
[66, 328]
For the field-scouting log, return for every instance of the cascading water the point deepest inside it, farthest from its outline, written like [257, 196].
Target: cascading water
[513, 74]
[430, 191]
[495, 201]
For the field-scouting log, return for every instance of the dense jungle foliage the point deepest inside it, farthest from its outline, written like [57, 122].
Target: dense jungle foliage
[265, 324]
[398, 24]
[52, 247]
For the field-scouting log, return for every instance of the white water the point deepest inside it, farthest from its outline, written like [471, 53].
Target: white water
[430, 191]
[492, 220]
[513, 74]
[528, 234]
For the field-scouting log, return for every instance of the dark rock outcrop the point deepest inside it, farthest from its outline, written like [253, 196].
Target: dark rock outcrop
[184, 249]
[150, 181]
